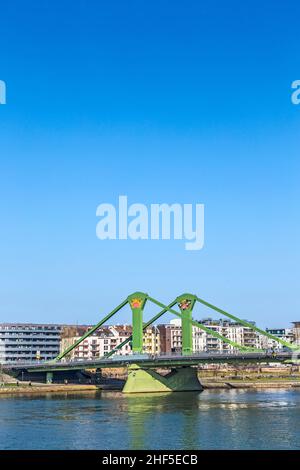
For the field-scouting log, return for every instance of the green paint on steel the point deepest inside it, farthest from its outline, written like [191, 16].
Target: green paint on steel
[137, 303]
[247, 324]
[91, 331]
[204, 328]
[186, 304]
[145, 325]
[148, 381]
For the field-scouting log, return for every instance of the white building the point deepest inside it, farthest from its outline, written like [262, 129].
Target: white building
[106, 339]
[203, 341]
[100, 343]
[286, 334]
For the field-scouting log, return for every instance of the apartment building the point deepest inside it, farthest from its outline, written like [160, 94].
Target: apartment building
[286, 334]
[101, 342]
[171, 336]
[107, 338]
[29, 341]
[151, 340]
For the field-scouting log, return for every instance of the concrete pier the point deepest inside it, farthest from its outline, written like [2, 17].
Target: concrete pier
[184, 379]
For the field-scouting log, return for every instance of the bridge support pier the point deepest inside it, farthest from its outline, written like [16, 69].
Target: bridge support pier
[49, 377]
[141, 380]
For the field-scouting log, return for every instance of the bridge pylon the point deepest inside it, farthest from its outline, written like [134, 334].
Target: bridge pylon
[186, 304]
[137, 303]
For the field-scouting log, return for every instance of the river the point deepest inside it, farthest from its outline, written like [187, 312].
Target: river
[212, 419]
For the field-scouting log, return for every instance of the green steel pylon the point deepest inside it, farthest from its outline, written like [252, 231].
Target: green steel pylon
[186, 304]
[137, 303]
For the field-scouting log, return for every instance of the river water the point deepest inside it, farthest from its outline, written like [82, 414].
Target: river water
[213, 419]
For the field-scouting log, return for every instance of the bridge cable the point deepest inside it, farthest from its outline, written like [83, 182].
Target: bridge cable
[91, 331]
[204, 328]
[247, 324]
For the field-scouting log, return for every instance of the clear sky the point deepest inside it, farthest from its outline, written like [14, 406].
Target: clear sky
[163, 101]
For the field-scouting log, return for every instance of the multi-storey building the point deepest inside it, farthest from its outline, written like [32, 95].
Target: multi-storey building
[151, 340]
[241, 334]
[107, 338]
[171, 336]
[286, 334]
[29, 342]
[101, 342]
[296, 332]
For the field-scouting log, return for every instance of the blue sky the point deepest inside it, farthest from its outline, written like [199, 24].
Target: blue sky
[164, 102]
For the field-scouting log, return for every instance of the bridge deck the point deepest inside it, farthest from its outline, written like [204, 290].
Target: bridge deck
[150, 362]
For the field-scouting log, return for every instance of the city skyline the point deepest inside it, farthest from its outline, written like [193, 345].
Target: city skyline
[52, 342]
[170, 319]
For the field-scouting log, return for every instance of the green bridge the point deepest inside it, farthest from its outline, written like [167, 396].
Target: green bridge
[142, 373]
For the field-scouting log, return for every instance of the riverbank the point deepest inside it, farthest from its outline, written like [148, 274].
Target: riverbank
[13, 389]
[208, 384]
[256, 385]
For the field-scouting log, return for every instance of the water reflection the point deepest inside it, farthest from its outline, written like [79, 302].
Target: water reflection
[145, 412]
